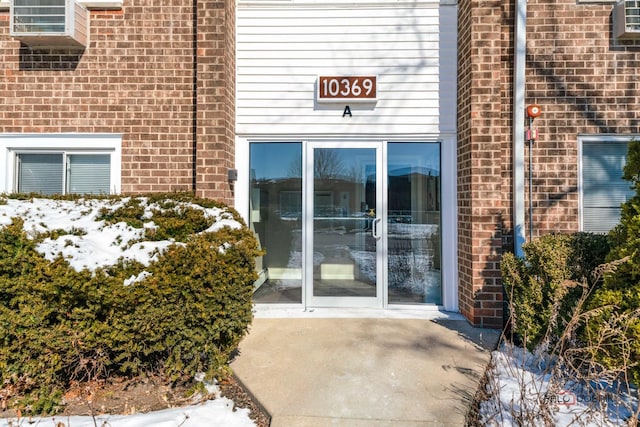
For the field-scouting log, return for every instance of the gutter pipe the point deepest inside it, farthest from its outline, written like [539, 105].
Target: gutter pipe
[519, 55]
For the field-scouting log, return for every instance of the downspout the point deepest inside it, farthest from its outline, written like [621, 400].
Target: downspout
[519, 58]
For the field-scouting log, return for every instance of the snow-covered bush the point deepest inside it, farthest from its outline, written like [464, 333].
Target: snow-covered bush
[173, 310]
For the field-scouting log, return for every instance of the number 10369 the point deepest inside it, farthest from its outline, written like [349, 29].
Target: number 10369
[350, 87]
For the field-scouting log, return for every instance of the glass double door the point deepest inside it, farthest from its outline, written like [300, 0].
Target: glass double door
[344, 225]
[351, 224]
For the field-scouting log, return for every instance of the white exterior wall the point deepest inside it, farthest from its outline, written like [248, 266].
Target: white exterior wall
[283, 46]
[410, 45]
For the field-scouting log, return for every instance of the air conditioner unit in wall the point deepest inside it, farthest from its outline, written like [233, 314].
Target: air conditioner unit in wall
[50, 23]
[626, 19]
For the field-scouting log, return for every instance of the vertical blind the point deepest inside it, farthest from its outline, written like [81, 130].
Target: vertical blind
[40, 173]
[45, 173]
[88, 173]
[603, 189]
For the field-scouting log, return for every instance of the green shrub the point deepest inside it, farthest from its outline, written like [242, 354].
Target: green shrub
[131, 213]
[192, 311]
[172, 216]
[541, 287]
[33, 328]
[619, 297]
[57, 324]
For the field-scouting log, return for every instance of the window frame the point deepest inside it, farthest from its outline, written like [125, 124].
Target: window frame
[11, 145]
[582, 139]
[89, 4]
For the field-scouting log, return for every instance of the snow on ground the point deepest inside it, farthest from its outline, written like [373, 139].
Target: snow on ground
[520, 382]
[218, 412]
[95, 244]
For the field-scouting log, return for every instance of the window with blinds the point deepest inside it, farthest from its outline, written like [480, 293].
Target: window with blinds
[40, 173]
[603, 189]
[88, 173]
[63, 173]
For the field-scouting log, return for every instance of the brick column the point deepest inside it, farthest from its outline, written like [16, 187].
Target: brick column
[215, 93]
[482, 129]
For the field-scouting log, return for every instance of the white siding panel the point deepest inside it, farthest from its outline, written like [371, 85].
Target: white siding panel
[311, 51]
[297, 39]
[330, 60]
[282, 50]
[448, 68]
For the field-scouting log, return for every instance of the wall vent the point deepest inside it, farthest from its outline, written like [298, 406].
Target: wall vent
[50, 23]
[626, 19]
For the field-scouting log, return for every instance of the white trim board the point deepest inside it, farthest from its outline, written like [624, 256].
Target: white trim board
[268, 311]
[11, 143]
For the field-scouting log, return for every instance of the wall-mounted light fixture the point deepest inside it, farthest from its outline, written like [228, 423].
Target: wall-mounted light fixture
[534, 110]
[232, 175]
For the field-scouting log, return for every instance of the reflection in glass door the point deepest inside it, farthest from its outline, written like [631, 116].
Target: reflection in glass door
[345, 226]
[319, 213]
[414, 223]
[275, 215]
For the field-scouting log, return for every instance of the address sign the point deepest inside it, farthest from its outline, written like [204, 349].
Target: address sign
[346, 88]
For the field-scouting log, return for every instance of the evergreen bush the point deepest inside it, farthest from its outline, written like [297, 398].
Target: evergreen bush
[186, 314]
[619, 297]
[541, 287]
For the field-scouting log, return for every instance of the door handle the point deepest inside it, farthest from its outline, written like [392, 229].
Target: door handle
[374, 228]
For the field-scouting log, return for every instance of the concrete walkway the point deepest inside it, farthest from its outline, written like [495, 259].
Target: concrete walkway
[316, 372]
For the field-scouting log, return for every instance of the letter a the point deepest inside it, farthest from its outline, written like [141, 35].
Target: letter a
[346, 111]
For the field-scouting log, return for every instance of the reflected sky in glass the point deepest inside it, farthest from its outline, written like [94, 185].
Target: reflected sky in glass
[422, 157]
[284, 160]
[276, 160]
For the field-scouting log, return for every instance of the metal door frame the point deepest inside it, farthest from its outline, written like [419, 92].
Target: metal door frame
[379, 301]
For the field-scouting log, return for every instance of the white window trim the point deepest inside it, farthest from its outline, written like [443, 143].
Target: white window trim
[594, 138]
[12, 144]
[89, 4]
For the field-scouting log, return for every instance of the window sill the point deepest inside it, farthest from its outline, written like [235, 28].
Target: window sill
[89, 4]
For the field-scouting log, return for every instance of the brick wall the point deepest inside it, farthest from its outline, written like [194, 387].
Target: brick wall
[137, 79]
[586, 82]
[215, 98]
[481, 134]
